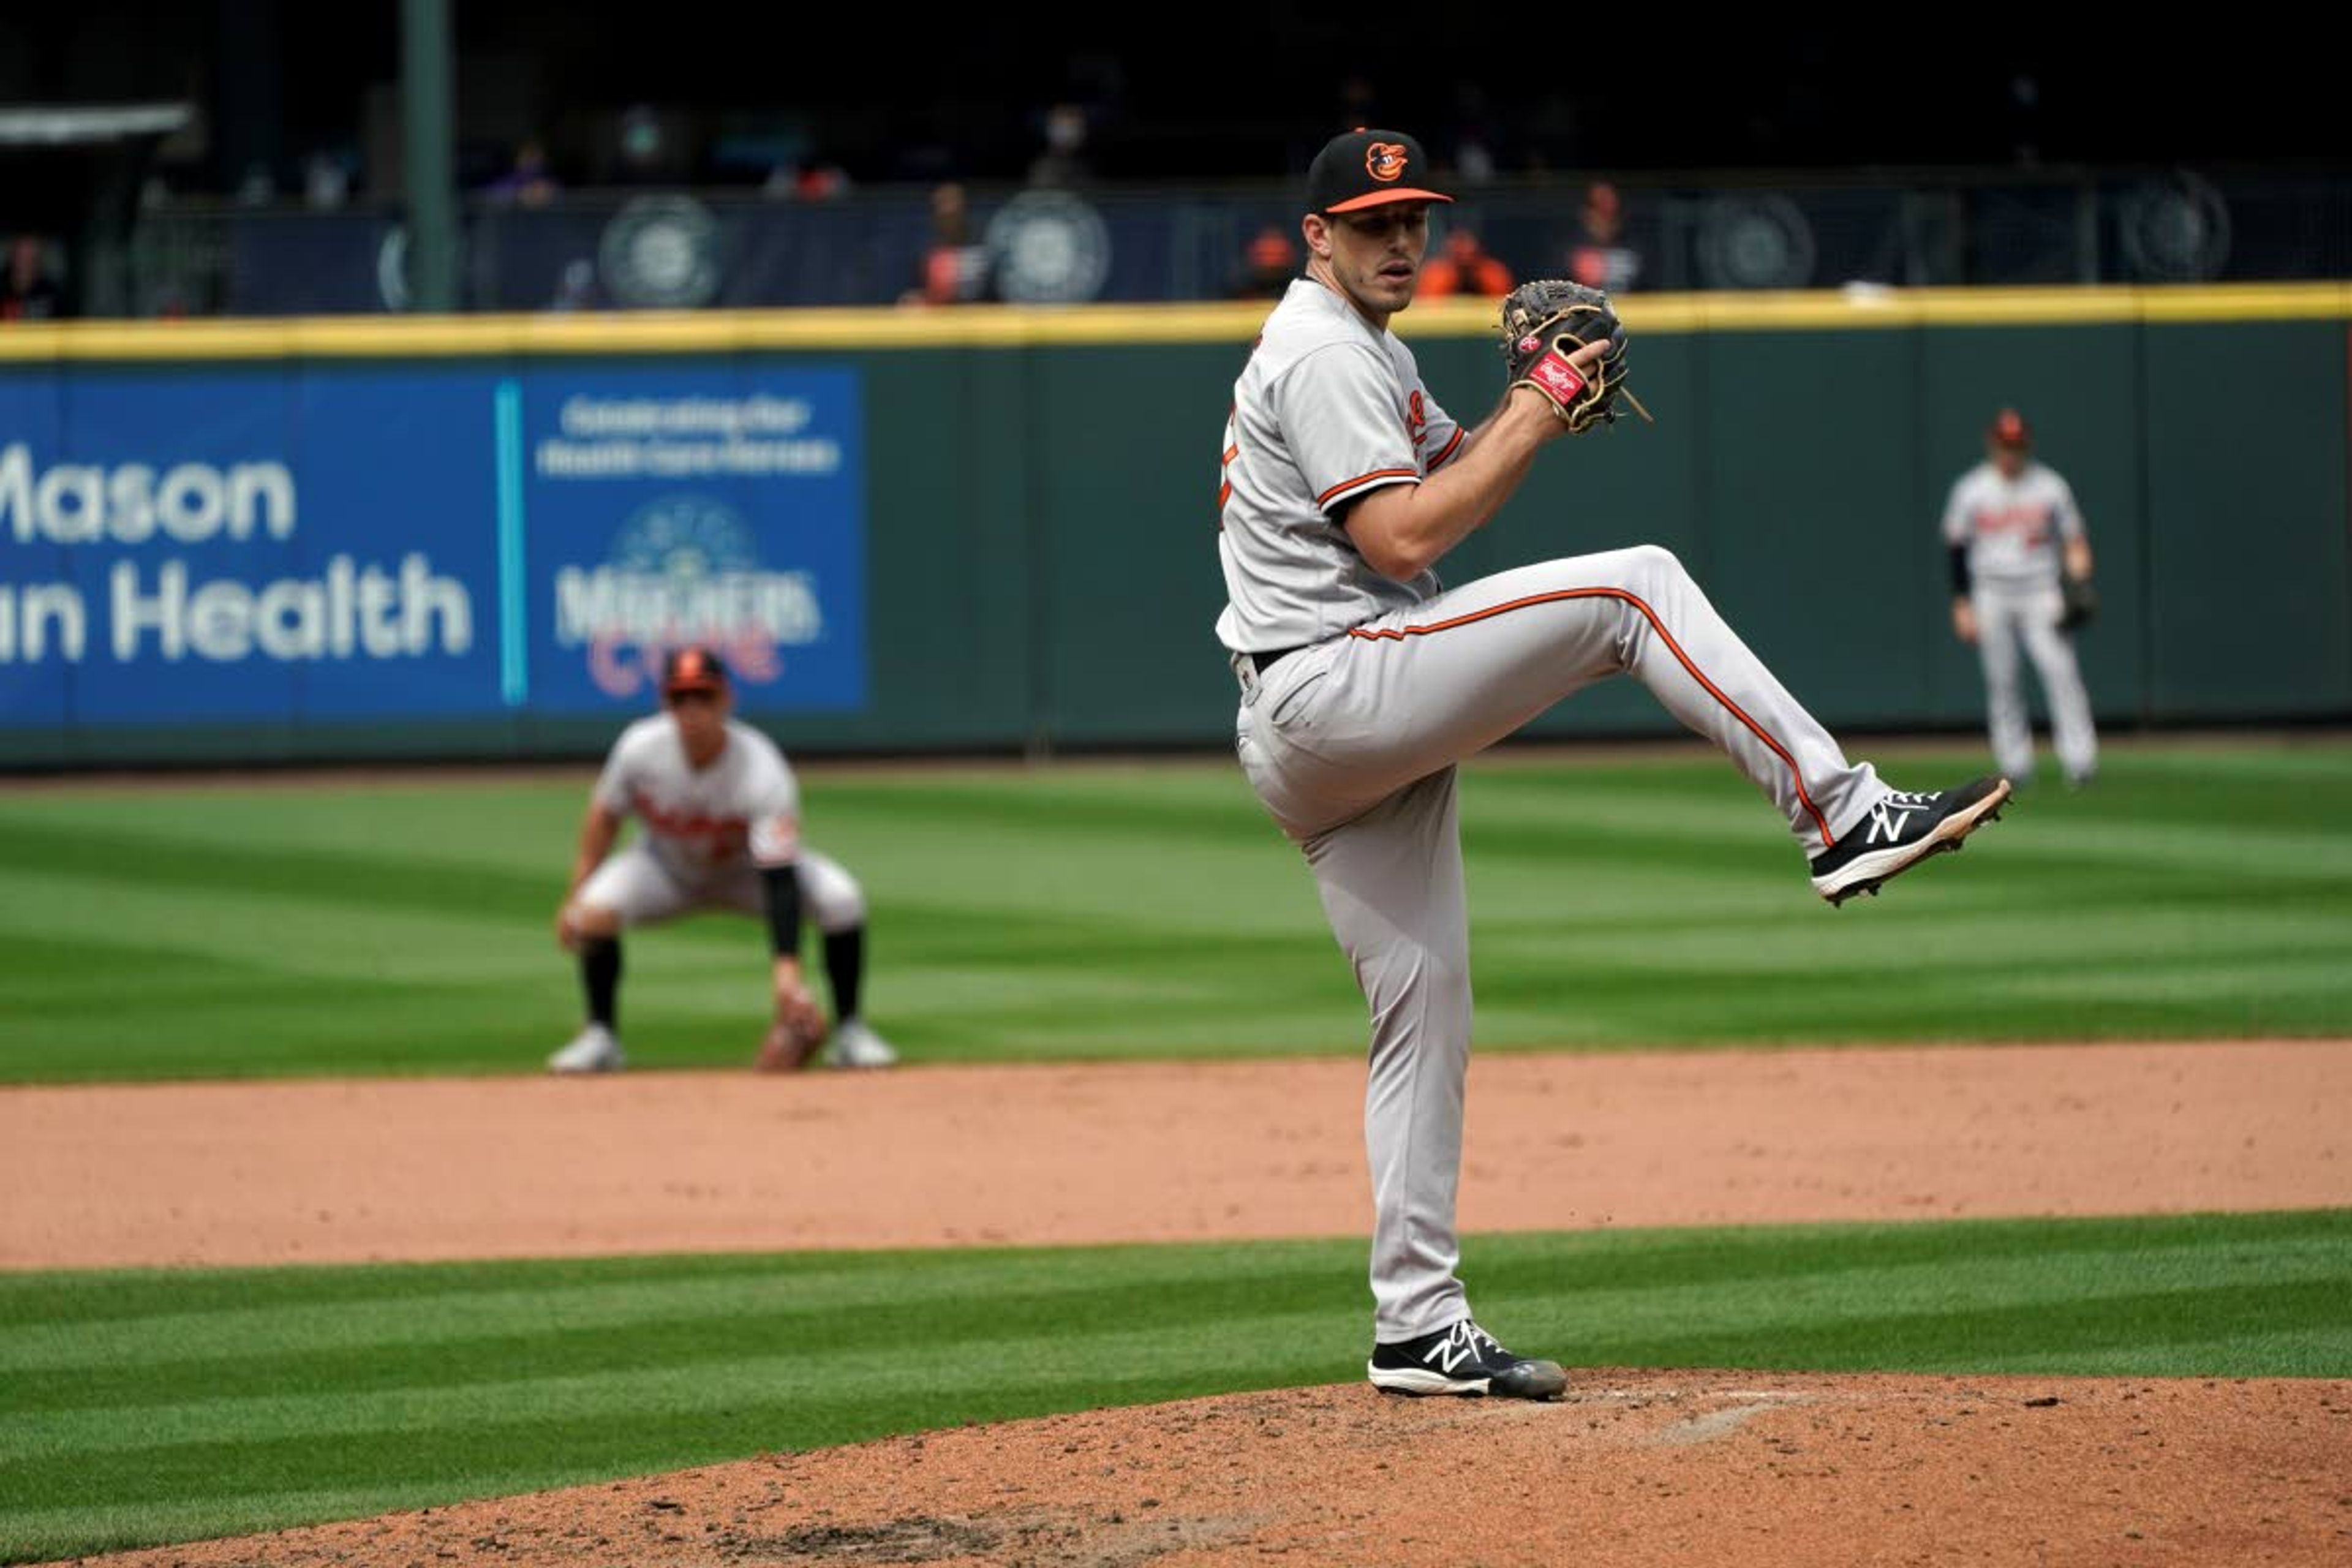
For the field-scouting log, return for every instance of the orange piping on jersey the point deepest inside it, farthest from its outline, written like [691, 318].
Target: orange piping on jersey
[1829, 841]
[1441, 456]
[721, 835]
[1344, 486]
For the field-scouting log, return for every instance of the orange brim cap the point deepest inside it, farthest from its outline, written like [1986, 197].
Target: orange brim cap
[1386, 198]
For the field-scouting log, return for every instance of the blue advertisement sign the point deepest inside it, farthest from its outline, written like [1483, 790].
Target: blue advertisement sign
[240, 544]
[44, 620]
[296, 543]
[398, 463]
[666, 506]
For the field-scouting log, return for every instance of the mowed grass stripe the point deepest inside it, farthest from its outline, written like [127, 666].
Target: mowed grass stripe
[438, 1383]
[174, 1450]
[2070, 831]
[456, 818]
[1984, 940]
[1127, 910]
[485, 1333]
[131, 1308]
[371, 867]
[418, 1399]
[270, 932]
[439, 1345]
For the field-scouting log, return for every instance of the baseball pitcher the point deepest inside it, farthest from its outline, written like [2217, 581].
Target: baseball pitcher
[1364, 680]
[2021, 573]
[721, 816]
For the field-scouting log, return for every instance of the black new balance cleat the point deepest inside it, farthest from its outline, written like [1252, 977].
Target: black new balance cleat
[1903, 830]
[1463, 1358]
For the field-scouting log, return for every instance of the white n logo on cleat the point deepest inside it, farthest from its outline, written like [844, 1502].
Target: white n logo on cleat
[1885, 828]
[1449, 1356]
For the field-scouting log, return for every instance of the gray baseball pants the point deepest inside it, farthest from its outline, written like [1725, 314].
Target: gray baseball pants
[2008, 614]
[1351, 745]
[639, 887]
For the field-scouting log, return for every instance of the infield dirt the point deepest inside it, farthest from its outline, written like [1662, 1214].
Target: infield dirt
[1636, 1466]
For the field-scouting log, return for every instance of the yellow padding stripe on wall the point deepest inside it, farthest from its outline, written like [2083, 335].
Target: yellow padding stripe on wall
[1006, 326]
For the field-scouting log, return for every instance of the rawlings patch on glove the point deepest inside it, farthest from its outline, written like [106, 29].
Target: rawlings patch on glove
[1545, 321]
[793, 1040]
[2079, 598]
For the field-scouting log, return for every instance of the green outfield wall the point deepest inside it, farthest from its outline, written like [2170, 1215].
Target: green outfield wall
[1033, 512]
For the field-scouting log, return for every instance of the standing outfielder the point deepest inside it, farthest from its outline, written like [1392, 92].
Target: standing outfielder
[721, 816]
[2021, 573]
[1364, 683]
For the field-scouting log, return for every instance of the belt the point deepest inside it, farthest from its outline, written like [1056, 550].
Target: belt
[1265, 661]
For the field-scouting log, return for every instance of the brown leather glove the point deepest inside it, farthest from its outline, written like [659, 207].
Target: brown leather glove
[793, 1040]
[1543, 324]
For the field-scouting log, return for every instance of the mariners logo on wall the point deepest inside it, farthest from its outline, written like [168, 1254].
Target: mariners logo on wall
[2175, 230]
[683, 569]
[392, 267]
[1051, 248]
[1755, 242]
[661, 252]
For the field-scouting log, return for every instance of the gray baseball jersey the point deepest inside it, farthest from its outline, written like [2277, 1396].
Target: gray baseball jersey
[700, 823]
[1350, 741]
[2012, 528]
[1328, 409]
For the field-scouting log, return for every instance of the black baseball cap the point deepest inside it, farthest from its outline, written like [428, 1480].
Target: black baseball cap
[1364, 168]
[693, 669]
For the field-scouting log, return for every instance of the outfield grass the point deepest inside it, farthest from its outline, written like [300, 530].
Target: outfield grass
[146, 1407]
[1097, 911]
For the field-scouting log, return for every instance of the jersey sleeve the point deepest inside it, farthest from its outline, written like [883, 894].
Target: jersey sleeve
[1338, 408]
[1440, 437]
[613, 785]
[1955, 514]
[775, 812]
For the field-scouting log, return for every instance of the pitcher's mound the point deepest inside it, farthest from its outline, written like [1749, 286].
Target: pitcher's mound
[1633, 1467]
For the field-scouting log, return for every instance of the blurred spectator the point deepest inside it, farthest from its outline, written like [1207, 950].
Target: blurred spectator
[807, 182]
[648, 146]
[529, 182]
[1601, 257]
[28, 291]
[955, 269]
[576, 288]
[640, 135]
[1268, 264]
[1357, 105]
[2024, 119]
[326, 182]
[1064, 162]
[169, 301]
[1473, 135]
[1464, 267]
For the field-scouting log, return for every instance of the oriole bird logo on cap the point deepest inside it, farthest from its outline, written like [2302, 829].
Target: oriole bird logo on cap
[694, 668]
[1384, 161]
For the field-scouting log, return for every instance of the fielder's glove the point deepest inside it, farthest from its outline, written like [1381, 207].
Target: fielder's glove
[1545, 321]
[2080, 597]
[793, 1040]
